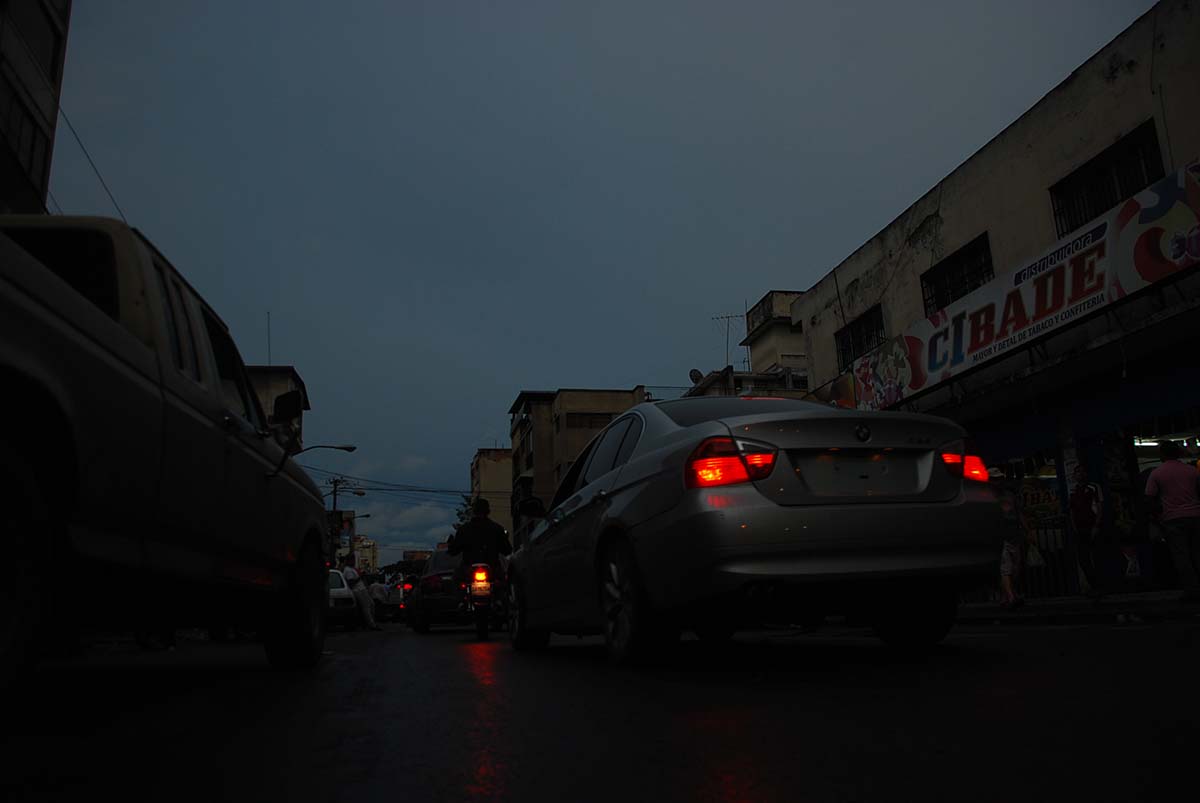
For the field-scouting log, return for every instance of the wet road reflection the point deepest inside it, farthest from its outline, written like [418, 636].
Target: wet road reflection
[486, 730]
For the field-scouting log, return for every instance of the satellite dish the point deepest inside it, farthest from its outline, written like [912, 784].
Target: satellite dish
[695, 375]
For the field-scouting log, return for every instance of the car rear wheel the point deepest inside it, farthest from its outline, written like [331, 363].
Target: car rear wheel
[420, 620]
[519, 633]
[295, 636]
[25, 528]
[918, 619]
[629, 627]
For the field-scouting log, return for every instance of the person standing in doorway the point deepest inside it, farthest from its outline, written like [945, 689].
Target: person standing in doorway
[1175, 486]
[1087, 502]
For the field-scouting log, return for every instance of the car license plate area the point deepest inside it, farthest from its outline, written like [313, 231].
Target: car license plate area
[479, 588]
[851, 473]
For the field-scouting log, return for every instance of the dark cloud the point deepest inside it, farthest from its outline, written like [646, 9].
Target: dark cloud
[443, 203]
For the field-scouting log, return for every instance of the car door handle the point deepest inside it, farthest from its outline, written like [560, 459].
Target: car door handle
[601, 494]
[228, 422]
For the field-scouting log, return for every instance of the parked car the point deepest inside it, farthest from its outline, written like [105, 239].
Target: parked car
[343, 609]
[717, 513]
[138, 456]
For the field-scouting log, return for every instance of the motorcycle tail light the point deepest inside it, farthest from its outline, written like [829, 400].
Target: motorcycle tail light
[481, 575]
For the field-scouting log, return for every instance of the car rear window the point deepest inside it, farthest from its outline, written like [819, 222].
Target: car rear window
[83, 258]
[689, 412]
[442, 562]
[336, 581]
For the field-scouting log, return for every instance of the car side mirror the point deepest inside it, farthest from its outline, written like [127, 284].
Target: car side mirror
[288, 407]
[532, 508]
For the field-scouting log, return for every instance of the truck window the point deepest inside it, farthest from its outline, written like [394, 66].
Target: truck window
[191, 359]
[169, 312]
[83, 258]
[235, 390]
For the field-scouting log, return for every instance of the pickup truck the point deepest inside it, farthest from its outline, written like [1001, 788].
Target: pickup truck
[139, 480]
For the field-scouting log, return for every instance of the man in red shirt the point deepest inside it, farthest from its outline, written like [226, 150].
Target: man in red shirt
[1176, 486]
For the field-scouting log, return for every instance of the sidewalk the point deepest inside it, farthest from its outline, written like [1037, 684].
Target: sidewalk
[1154, 605]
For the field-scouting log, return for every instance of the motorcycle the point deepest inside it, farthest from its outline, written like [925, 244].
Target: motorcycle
[483, 601]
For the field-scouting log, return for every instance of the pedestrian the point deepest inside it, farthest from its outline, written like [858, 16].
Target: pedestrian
[1175, 486]
[366, 607]
[1086, 502]
[1012, 553]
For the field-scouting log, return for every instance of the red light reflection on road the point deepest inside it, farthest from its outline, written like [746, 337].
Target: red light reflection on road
[485, 732]
[732, 771]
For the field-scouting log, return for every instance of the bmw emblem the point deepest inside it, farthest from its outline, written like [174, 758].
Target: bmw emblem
[862, 432]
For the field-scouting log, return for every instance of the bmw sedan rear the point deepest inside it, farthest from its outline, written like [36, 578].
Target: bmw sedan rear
[716, 513]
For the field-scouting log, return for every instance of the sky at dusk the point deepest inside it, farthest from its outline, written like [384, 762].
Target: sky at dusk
[443, 203]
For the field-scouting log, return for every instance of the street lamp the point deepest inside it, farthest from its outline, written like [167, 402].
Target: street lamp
[345, 447]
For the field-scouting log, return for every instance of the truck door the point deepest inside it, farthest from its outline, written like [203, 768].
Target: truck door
[247, 539]
[193, 439]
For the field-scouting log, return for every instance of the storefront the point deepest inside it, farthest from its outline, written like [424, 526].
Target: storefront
[1067, 373]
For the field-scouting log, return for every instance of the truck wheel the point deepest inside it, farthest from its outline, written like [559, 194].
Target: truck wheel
[25, 528]
[295, 637]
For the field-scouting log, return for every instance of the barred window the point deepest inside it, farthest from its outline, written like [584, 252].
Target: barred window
[958, 274]
[859, 336]
[1116, 173]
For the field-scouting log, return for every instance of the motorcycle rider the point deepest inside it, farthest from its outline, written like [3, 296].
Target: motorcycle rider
[480, 540]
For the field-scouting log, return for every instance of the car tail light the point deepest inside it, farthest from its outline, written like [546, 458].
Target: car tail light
[405, 587]
[968, 466]
[724, 461]
[481, 575]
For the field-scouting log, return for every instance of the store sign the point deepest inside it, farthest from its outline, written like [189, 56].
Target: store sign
[1148, 238]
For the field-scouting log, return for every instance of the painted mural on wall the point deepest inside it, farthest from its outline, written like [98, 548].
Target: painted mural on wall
[1146, 239]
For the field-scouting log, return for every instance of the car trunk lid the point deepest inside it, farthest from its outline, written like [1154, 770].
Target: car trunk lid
[840, 457]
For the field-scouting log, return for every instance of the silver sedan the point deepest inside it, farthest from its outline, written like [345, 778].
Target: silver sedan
[722, 512]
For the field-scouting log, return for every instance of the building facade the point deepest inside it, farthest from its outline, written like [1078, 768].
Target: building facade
[33, 39]
[549, 429]
[776, 344]
[728, 382]
[492, 479]
[1044, 295]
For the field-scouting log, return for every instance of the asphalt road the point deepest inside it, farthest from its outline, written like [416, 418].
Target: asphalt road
[1012, 714]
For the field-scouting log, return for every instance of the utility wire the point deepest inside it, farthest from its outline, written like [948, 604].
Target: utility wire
[95, 169]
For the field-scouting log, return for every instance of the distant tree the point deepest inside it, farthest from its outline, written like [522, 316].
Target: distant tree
[464, 512]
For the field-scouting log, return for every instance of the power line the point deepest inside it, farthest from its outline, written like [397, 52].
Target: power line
[54, 201]
[392, 485]
[95, 169]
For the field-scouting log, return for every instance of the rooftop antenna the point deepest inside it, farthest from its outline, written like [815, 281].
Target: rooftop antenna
[728, 323]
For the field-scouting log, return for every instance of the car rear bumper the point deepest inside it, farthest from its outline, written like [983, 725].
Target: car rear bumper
[731, 541]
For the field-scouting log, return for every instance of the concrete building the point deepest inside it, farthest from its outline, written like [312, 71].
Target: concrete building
[785, 383]
[492, 479]
[366, 555]
[776, 343]
[1044, 294]
[271, 382]
[33, 45]
[549, 428]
